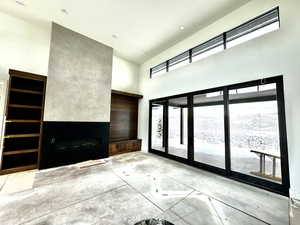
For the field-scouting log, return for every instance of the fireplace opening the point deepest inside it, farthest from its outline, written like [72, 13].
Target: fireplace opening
[66, 143]
[86, 144]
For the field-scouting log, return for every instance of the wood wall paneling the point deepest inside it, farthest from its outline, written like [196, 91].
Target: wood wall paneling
[124, 123]
[124, 117]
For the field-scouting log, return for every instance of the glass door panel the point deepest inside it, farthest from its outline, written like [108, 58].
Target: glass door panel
[254, 132]
[178, 123]
[209, 144]
[157, 126]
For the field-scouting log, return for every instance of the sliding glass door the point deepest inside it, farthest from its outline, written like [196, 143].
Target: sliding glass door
[209, 145]
[177, 127]
[236, 130]
[158, 124]
[254, 132]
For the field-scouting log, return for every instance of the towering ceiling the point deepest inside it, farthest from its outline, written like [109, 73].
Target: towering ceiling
[136, 29]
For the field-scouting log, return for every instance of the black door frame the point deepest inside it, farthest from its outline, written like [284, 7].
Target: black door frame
[283, 188]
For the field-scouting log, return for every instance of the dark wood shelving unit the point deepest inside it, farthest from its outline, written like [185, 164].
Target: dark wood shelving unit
[19, 169]
[23, 124]
[21, 135]
[26, 91]
[25, 106]
[23, 121]
[124, 123]
[20, 152]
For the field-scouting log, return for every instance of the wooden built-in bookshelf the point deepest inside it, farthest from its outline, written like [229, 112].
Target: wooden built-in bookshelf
[23, 124]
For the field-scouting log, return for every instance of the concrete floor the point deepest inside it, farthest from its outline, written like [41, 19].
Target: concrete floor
[295, 212]
[245, 163]
[132, 187]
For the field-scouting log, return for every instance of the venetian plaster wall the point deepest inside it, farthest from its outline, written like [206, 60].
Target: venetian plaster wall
[79, 78]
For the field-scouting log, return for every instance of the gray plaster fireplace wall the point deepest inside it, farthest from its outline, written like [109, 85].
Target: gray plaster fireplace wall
[78, 98]
[79, 78]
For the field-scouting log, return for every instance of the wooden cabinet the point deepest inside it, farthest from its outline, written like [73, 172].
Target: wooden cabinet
[124, 146]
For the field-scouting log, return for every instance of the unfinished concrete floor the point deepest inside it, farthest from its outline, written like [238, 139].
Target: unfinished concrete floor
[132, 187]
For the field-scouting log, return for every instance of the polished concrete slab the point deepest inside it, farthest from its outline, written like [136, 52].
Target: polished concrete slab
[131, 187]
[295, 212]
[3, 179]
[17, 182]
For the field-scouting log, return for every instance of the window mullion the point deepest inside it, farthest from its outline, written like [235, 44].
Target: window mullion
[227, 131]
[167, 66]
[225, 40]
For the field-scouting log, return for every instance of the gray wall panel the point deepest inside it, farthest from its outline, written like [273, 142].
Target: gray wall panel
[79, 78]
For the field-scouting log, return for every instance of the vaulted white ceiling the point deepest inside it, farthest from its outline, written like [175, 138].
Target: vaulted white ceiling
[143, 28]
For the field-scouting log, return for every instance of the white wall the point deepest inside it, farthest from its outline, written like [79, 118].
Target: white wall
[273, 54]
[125, 75]
[23, 46]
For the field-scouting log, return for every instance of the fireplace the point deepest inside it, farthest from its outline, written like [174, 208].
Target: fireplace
[67, 143]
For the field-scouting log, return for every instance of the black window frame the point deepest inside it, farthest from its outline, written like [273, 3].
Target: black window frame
[160, 67]
[178, 59]
[282, 188]
[260, 18]
[225, 39]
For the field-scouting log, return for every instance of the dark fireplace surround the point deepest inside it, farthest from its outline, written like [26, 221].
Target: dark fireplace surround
[67, 143]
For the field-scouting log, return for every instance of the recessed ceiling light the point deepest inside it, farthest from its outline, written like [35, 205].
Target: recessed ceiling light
[20, 3]
[64, 11]
[114, 36]
[181, 27]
